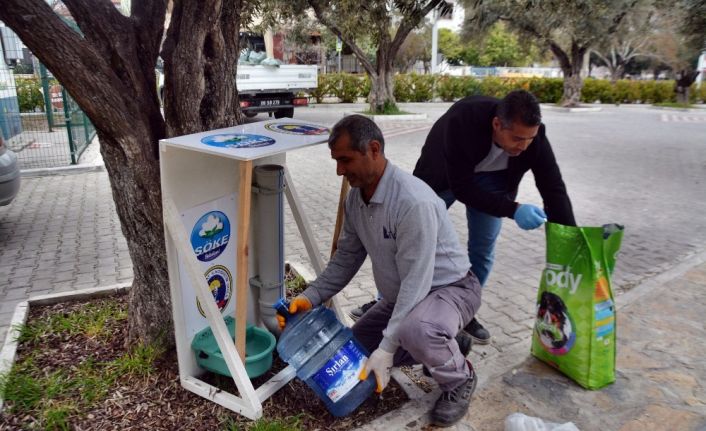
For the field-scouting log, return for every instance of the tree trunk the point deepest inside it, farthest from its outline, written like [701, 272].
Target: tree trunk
[381, 91]
[617, 71]
[572, 90]
[683, 96]
[109, 69]
[382, 84]
[135, 183]
[382, 88]
[571, 67]
[682, 85]
[200, 57]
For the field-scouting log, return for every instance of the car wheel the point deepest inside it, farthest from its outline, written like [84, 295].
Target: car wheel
[282, 113]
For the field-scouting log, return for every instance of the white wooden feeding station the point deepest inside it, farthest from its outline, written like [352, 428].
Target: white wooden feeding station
[211, 173]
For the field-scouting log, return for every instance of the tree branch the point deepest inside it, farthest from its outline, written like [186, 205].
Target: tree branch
[559, 53]
[55, 44]
[408, 23]
[318, 8]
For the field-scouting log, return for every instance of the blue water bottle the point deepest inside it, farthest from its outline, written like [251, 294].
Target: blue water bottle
[326, 356]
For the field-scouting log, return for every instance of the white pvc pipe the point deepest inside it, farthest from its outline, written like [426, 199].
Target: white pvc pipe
[268, 224]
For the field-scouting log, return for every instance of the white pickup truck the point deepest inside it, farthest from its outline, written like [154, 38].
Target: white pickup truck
[265, 87]
[274, 88]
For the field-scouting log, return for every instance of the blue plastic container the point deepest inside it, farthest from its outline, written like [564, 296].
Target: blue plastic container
[327, 357]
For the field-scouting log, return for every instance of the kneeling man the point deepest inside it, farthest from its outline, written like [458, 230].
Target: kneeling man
[428, 293]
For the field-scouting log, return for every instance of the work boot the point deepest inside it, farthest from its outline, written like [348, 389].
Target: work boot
[357, 313]
[479, 334]
[452, 405]
[465, 342]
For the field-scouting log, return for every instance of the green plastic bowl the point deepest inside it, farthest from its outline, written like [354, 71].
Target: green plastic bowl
[259, 344]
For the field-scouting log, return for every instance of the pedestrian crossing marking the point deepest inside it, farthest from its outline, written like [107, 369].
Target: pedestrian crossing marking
[390, 130]
[680, 118]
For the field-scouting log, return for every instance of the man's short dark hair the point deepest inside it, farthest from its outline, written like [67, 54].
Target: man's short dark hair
[361, 131]
[519, 106]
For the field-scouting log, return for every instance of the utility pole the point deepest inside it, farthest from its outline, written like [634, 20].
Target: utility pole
[435, 41]
[701, 67]
[339, 48]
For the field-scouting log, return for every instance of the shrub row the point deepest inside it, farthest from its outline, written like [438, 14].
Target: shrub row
[424, 88]
[347, 88]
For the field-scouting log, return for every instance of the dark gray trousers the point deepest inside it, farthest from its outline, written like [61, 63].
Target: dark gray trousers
[427, 334]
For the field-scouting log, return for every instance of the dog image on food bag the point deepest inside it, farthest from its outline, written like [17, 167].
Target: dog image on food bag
[553, 325]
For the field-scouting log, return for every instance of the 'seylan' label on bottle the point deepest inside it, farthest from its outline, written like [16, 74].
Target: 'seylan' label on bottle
[340, 374]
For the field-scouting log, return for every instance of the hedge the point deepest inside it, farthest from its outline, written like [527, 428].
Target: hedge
[423, 88]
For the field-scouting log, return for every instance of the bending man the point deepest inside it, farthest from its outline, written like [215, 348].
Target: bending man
[477, 153]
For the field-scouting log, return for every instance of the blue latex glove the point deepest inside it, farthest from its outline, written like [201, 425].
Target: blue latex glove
[529, 216]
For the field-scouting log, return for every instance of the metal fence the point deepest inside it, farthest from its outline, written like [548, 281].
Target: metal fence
[40, 121]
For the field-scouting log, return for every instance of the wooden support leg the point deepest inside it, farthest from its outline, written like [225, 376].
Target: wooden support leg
[241, 277]
[340, 214]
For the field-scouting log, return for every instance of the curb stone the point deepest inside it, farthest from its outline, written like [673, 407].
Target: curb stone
[578, 109]
[384, 118]
[63, 170]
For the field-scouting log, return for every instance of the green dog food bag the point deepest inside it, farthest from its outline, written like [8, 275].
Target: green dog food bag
[575, 318]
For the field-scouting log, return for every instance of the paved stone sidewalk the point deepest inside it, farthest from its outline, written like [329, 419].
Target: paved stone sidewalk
[661, 373]
[62, 233]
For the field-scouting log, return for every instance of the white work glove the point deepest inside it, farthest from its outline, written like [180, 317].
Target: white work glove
[380, 363]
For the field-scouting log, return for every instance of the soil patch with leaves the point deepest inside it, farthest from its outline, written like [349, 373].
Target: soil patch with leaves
[73, 371]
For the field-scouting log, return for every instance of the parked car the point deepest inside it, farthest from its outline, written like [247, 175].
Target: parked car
[9, 174]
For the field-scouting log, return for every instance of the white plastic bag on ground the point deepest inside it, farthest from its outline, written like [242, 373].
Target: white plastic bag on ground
[522, 422]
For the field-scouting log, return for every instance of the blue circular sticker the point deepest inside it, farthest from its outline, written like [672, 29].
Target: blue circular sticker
[220, 283]
[210, 235]
[237, 140]
[297, 129]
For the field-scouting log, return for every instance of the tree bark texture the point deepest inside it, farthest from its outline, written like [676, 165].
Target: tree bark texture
[682, 85]
[109, 69]
[200, 57]
[382, 84]
[571, 64]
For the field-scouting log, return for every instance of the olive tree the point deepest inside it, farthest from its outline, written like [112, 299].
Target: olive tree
[108, 67]
[568, 28]
[387, 23]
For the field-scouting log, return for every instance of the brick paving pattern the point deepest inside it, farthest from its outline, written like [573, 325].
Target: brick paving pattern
[620, 165]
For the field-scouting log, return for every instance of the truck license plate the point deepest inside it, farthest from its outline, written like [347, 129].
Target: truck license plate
[269, 102]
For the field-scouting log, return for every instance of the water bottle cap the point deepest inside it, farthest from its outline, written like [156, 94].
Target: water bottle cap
[282, 307]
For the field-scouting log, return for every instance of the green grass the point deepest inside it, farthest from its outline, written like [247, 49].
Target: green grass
[674, 105]
[387, 109]
[90, 321]
[295, 285]
[52, 397]
[292, 423]
[139, 362]
[56, 417]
